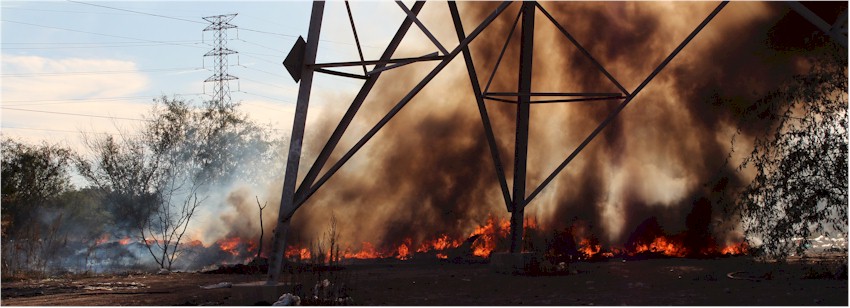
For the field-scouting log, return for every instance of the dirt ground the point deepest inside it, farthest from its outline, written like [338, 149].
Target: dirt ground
[724, 281]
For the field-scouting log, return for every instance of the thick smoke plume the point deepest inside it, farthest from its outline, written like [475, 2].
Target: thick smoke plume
[429, 172]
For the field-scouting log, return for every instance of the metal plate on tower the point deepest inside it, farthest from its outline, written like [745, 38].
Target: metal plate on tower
[295, 59]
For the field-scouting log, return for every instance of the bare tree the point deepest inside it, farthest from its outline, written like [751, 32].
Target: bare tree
[262, 207]
[332, 238]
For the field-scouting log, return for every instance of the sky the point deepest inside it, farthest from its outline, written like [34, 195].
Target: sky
[72, 67]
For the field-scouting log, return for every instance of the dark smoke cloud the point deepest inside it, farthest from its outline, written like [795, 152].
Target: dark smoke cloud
[429, 170]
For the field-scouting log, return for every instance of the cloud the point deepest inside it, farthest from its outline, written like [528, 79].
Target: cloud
[40, 78]
[64, 86]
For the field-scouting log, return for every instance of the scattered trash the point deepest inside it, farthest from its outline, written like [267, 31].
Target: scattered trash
[163, 271]
[220, 285]
[288, 300]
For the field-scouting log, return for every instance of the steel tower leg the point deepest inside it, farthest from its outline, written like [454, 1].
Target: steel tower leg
[287, 200]
[523, 111]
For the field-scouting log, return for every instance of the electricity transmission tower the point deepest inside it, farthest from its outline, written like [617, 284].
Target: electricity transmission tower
[220, 77]
[301, 65]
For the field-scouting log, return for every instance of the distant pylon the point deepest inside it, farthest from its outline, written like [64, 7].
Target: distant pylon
[220, 77]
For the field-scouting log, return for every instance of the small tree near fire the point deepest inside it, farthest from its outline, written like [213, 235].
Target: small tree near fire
[800, 160]
[158, 178]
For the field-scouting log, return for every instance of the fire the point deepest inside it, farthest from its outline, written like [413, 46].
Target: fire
[103, 239]
[367, 251]
[490, 232]
[124, 241]
[194, 243]
[588, 248]
[403, 252]
[301, 253]
[664, 246]
[735, 249]
[442, 242]
[229, 245]
[493, 235]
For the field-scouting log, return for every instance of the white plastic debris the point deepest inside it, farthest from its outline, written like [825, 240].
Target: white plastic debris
[220, 285]
[163, 271]
[288, 300]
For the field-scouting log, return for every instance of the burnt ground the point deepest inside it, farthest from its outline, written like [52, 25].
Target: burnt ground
[611, 282]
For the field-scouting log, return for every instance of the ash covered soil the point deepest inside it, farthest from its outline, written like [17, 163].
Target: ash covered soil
[722, 281]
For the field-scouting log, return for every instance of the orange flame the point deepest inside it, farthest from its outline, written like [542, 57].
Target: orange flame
[490, 232]
[103, 239]
[664, 246]
[194, 243]
[124, 241]
[442, 242]
[367, 251]
[403, 252]
[230, 245]
[735, 249]
[301, 253]
[589, 249]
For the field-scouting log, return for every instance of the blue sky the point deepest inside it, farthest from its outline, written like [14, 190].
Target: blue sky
[96, 66]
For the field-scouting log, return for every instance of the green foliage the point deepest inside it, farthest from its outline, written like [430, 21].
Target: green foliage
[33, 177]
[800, 160]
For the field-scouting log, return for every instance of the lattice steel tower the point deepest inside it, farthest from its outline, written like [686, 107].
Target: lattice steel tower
[220, 77]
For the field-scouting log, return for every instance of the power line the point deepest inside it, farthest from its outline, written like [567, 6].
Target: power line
[92, 43]
[198, 22]
[63, 131]
[263, 46]
[263, 96]
[261, 59]
[74, 114]
[85, 100]
[186, 69]
[265, 83]
[95, 33]
[101, 46]
[76, 100]
[137, 12]
[178, 18]
[264, 71]
[57, 11]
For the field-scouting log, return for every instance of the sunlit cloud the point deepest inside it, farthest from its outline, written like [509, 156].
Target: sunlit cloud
[48, 97]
